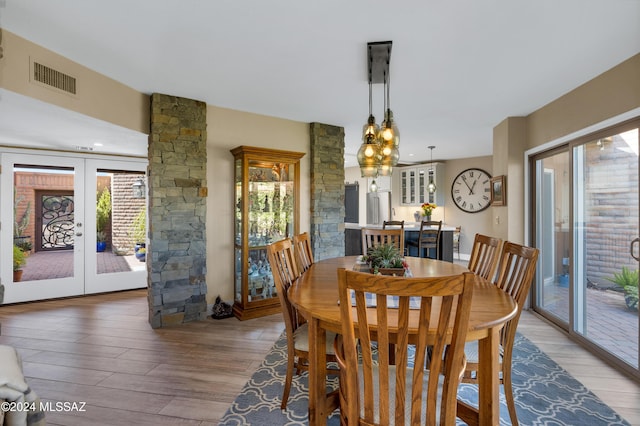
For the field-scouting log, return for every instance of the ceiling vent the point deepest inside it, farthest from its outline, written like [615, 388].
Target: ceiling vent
[53, 78]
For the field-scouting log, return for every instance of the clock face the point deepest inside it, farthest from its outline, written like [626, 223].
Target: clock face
[471, 190]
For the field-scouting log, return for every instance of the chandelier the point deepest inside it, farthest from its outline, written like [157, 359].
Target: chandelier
[379, 153]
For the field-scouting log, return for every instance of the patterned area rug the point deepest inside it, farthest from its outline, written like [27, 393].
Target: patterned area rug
[545, 394]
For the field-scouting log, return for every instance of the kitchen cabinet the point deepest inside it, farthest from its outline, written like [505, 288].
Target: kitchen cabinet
[267, 205]
[414, 181]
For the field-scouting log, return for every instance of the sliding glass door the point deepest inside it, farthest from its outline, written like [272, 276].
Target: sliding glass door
[587, 226]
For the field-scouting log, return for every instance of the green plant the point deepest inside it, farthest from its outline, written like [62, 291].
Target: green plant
[384, 256]
[20, 224]
[19, 258]
[139, 227]
[628, 280]
[103, 210]
[101, 237]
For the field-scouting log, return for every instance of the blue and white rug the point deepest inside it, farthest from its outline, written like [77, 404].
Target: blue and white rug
[545, 394]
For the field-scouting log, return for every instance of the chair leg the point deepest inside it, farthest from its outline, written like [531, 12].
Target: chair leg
[287, 382]
[508, 394]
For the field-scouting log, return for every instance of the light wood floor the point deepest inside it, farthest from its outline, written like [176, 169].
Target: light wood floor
[101, 350]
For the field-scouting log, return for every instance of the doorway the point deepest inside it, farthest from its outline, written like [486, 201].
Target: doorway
[58, 211]
[586, 200]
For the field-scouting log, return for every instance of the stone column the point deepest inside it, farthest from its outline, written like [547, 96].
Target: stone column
[176, 255]
[327, 190]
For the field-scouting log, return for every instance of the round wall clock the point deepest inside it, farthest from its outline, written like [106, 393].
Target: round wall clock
[471, 190]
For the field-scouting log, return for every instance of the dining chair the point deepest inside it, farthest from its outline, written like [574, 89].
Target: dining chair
[285, 272]
[484, 256]
[517, 267]
[372, 237]
[457, 235]
[428, 238]
[303, 252]
[374, 391]
[393, 224]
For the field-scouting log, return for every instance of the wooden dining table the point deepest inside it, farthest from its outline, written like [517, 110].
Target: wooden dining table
[315, 295]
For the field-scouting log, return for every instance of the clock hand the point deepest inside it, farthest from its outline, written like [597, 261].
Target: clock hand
[472, 186]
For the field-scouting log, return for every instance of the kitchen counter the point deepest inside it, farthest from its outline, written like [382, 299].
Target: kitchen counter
[408, 226]
[353, 238]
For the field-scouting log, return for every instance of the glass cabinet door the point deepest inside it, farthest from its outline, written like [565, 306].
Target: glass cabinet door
[266, 191]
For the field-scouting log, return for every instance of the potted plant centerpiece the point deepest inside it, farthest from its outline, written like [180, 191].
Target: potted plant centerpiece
[19, 260]
[385, 259]
[628, 280]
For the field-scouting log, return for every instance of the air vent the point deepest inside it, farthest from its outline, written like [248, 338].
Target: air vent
[53, 78]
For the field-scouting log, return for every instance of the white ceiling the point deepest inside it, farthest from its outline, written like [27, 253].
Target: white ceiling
[458, 67]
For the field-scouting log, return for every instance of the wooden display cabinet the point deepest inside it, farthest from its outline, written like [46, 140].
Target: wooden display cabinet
[267, 197]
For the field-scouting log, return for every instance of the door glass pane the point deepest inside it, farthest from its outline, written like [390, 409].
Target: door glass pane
[44, 228]
[552, 235]
[120, 221]
[605, 225]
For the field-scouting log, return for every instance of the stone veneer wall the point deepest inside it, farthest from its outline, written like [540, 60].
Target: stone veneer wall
[176, 256]
[327, 190]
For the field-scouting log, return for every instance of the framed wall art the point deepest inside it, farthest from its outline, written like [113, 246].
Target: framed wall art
[499, 190]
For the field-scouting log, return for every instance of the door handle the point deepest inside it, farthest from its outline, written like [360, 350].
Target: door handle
[634, 242]
[78, 234]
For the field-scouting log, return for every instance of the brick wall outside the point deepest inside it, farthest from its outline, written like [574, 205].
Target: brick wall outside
[611, 206]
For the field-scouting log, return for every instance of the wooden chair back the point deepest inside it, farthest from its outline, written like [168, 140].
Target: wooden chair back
[484, 256]
[393, 224]
[285, 271]
[302, 250]
[515, 275]
[457, 235]
[372, 237]
[517, 268]
[429, 236]
[373, 391]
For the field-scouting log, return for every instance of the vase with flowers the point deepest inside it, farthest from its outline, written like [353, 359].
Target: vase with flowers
[427, 209]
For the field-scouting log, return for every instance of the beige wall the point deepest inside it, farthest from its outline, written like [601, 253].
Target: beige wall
[97, 96]
[609, 95]
[227, 129]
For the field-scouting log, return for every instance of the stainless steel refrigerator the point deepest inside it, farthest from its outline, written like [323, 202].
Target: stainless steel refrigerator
[378, 207]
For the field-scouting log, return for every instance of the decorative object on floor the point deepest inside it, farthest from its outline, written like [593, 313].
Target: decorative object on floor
[544, 392]
[221, 309]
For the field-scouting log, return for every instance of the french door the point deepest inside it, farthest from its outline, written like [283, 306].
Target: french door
[586, 200]
[49, 214]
